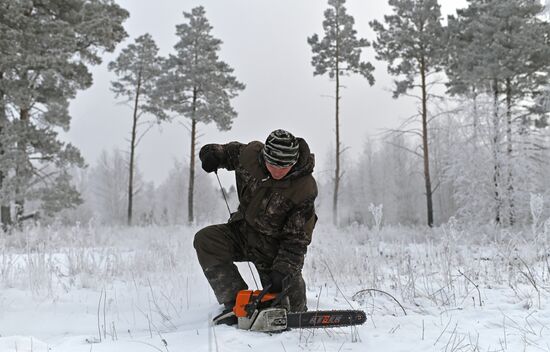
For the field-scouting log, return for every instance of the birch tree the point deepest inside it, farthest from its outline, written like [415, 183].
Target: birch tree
[338, 54]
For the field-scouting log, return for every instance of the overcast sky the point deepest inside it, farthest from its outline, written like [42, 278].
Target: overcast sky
[265, 42]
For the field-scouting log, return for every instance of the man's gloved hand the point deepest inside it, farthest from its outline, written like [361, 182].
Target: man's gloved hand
[276, 278]
[210, 161]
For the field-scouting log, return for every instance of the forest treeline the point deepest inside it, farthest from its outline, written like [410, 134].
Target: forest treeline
[475, 149]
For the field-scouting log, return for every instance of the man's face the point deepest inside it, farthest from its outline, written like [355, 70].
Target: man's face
[277, 172]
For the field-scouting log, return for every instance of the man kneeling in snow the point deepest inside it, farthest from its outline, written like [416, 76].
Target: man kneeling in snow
[274, 222]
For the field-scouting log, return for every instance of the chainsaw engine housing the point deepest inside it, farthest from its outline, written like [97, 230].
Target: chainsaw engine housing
[266, 320]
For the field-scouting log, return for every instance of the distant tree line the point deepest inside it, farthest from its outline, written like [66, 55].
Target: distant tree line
[476, 148]
[481, 79]
[104, 190]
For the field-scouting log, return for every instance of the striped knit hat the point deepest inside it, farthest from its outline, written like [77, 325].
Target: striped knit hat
[281, 149]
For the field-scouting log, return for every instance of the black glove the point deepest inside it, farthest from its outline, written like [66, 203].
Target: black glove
[210, 161]
[276, 279]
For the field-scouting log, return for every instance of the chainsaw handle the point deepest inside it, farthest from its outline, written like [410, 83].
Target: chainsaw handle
[255, 301]
[281, 295]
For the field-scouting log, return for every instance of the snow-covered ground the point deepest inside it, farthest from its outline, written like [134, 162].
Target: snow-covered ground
[141, 289]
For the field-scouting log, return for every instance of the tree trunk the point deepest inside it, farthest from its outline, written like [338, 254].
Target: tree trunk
[337, 169]
[426, 154]
[132, 151]
[190, 193]
[20, 172]
[475, 118]
[509, 150]
[5, 213]
[337, 131]
[496, 142]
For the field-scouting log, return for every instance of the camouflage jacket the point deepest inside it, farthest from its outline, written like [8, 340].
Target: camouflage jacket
[283, 209]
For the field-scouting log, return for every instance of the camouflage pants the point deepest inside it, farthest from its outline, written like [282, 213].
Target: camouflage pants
[219, 246]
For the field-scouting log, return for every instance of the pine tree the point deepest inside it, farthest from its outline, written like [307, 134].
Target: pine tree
[513, 71]
[412, 45]
[50, 45]
[338, 54]
[138, 68]
[197, 84]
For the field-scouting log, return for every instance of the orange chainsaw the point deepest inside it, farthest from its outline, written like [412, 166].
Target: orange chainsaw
[267, 312]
